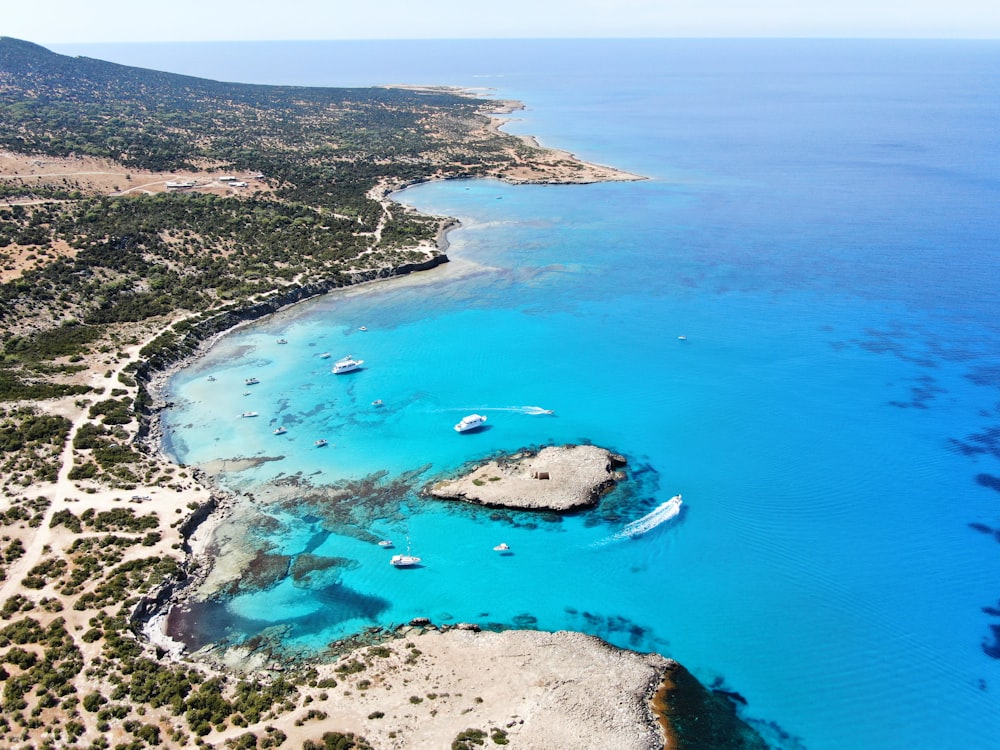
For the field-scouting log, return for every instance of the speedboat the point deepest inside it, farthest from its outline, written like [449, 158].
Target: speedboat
[347, 364]
[280, 431]
[377, 402]
[320, 443]
[211, 378]
[471, 422]
[385, 544]
[404, 561]
[502, 547]
[282, 341]
[251, 381]
[249, 414]
[682, 338]
[325, 355]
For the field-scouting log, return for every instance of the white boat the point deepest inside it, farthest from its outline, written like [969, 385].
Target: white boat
[682, 338]
[282, 341]
[211, 378]
[377, 402]
[325, 355]
[249, 414]
[502, 547]
[471, 422]
[404, 561]
[347, 364]
[385, 544]
[320, 443]
[281, 431]
[363, 328]
[251, 381]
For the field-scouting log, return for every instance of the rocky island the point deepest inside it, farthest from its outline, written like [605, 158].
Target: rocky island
[557, 478]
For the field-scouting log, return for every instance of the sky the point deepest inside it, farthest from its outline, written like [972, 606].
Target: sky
[101, 21]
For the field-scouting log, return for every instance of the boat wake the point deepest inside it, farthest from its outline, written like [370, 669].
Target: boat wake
[531, 410]
[663, 513]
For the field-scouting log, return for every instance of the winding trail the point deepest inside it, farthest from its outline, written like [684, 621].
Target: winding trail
[63, 493]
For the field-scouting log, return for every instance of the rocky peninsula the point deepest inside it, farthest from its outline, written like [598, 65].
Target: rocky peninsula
[556, 478]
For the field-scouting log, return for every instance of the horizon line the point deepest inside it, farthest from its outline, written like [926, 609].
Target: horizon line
[645, 37]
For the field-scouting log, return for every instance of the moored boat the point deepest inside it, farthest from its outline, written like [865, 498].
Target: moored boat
[347, 364]
[320, 443]
[281, 431]
[251, 381]
[471, 422]
[249, 414]
[385, 544]
[502, 547]
[404, 561]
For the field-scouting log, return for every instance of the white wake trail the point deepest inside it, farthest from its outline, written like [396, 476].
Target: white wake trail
[660, 515]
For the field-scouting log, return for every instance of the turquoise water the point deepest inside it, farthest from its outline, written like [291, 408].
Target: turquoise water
[820, 224]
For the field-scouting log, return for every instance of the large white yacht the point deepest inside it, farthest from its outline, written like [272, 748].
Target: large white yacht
[471, 422]
[347, 364]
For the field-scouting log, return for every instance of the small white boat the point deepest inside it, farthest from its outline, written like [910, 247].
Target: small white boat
[325, 355]
[320, 443]
[246, 393]
[385, 544]
[682, 338]
[502, 547]
[377, 402]
[404, 561]
[282, 341]
[211, 378]
[471, 422]
[280, 431]
[363, 328]
[249, 414]
[251, 381]
[347, 364]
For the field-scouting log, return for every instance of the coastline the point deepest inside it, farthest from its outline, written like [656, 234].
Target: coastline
[547, 165]
[583, 710]
[537, 722]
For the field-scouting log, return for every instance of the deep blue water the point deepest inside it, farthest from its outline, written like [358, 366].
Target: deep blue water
[820, 223]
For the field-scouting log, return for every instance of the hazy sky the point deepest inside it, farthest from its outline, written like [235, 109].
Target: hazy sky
[75, 21]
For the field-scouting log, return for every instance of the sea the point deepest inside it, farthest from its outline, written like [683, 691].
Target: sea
[793, 322]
